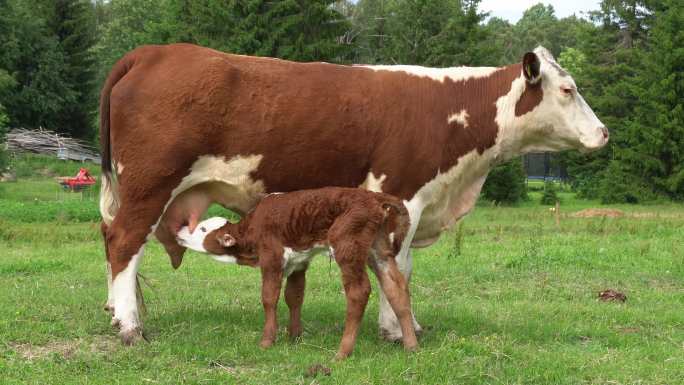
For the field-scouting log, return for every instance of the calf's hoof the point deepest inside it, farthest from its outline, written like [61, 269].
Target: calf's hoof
[411, 348]
[265, 344]
[295, 333]
[130, 337]
[340, 356]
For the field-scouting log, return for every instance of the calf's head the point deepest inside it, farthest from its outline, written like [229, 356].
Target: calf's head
[218, 237]
[551, 115]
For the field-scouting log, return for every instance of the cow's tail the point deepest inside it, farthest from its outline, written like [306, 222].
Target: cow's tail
[397, 222]
[109, 197]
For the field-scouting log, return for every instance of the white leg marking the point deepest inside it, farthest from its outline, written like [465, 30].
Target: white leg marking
[110, 293]
[126, 313]
[389, 324]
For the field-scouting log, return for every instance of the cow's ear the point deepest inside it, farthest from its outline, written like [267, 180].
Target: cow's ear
[531, 67]
[225, 240]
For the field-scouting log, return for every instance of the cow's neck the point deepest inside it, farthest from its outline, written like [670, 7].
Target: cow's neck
[454, 191]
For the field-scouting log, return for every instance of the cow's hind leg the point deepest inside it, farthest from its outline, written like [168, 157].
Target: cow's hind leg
[125, 241]
[294, 297]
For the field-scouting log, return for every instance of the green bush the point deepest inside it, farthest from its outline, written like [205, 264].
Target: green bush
[618, 185]
[550, 194]
[506, 183]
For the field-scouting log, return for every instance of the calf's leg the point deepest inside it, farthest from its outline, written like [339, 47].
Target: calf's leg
[396, 291]
[294, 297]
[357, 289]
[271, 281]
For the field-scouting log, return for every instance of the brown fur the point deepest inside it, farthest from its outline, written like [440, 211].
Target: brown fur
[353, 222]
[163, 106]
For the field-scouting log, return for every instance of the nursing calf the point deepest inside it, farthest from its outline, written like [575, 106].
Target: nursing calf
[283, 233]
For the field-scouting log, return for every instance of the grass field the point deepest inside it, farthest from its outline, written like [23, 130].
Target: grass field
[507, 298]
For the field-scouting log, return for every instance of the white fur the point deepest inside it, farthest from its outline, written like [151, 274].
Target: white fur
[124, 293]
[439, 74]
[109, 198]
[110, 292]
[195, 241]
[460, 118]
[240, 191]
[294, 260]
[372, 183]
[119, 168]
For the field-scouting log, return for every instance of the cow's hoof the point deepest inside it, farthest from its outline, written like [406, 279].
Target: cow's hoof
[265, 344]
[391, 335]
[411, 348]
[131, 337]
[109, 308]
[116, 323]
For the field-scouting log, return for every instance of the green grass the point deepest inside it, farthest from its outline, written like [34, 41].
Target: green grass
[507, 298]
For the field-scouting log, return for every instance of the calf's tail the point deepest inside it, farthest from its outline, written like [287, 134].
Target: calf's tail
[396, 224]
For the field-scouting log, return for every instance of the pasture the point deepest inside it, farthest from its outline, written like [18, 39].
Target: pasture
[506, 298]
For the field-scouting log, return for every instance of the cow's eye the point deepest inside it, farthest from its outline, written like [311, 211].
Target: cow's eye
[568, 91]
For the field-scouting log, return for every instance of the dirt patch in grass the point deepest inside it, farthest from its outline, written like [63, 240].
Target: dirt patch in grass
[66, 349]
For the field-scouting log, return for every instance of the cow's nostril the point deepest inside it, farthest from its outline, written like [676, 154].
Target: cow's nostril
[605, 132]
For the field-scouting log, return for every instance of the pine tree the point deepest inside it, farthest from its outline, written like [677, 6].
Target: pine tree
[72, 22]
[654, 151]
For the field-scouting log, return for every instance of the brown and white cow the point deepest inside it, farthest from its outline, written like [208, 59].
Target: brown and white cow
[285, 231]
[183, 127]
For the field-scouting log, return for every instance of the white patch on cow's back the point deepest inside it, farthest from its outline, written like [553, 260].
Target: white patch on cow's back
[456, 74]
[460, 118]
[372, 183]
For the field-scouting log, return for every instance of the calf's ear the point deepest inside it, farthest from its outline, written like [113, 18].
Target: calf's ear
[531, 67]
[225, 240]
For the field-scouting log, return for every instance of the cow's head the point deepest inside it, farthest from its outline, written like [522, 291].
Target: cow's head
[562, 119]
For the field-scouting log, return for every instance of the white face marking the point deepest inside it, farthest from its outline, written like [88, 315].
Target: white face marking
[561, 121]
[391, 237]
[119, 168]
[455, 74]
[124, 292]
[372, 183]
[460, 118]
[195, 241]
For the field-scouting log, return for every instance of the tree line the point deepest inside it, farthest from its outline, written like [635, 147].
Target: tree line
[627, 57]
